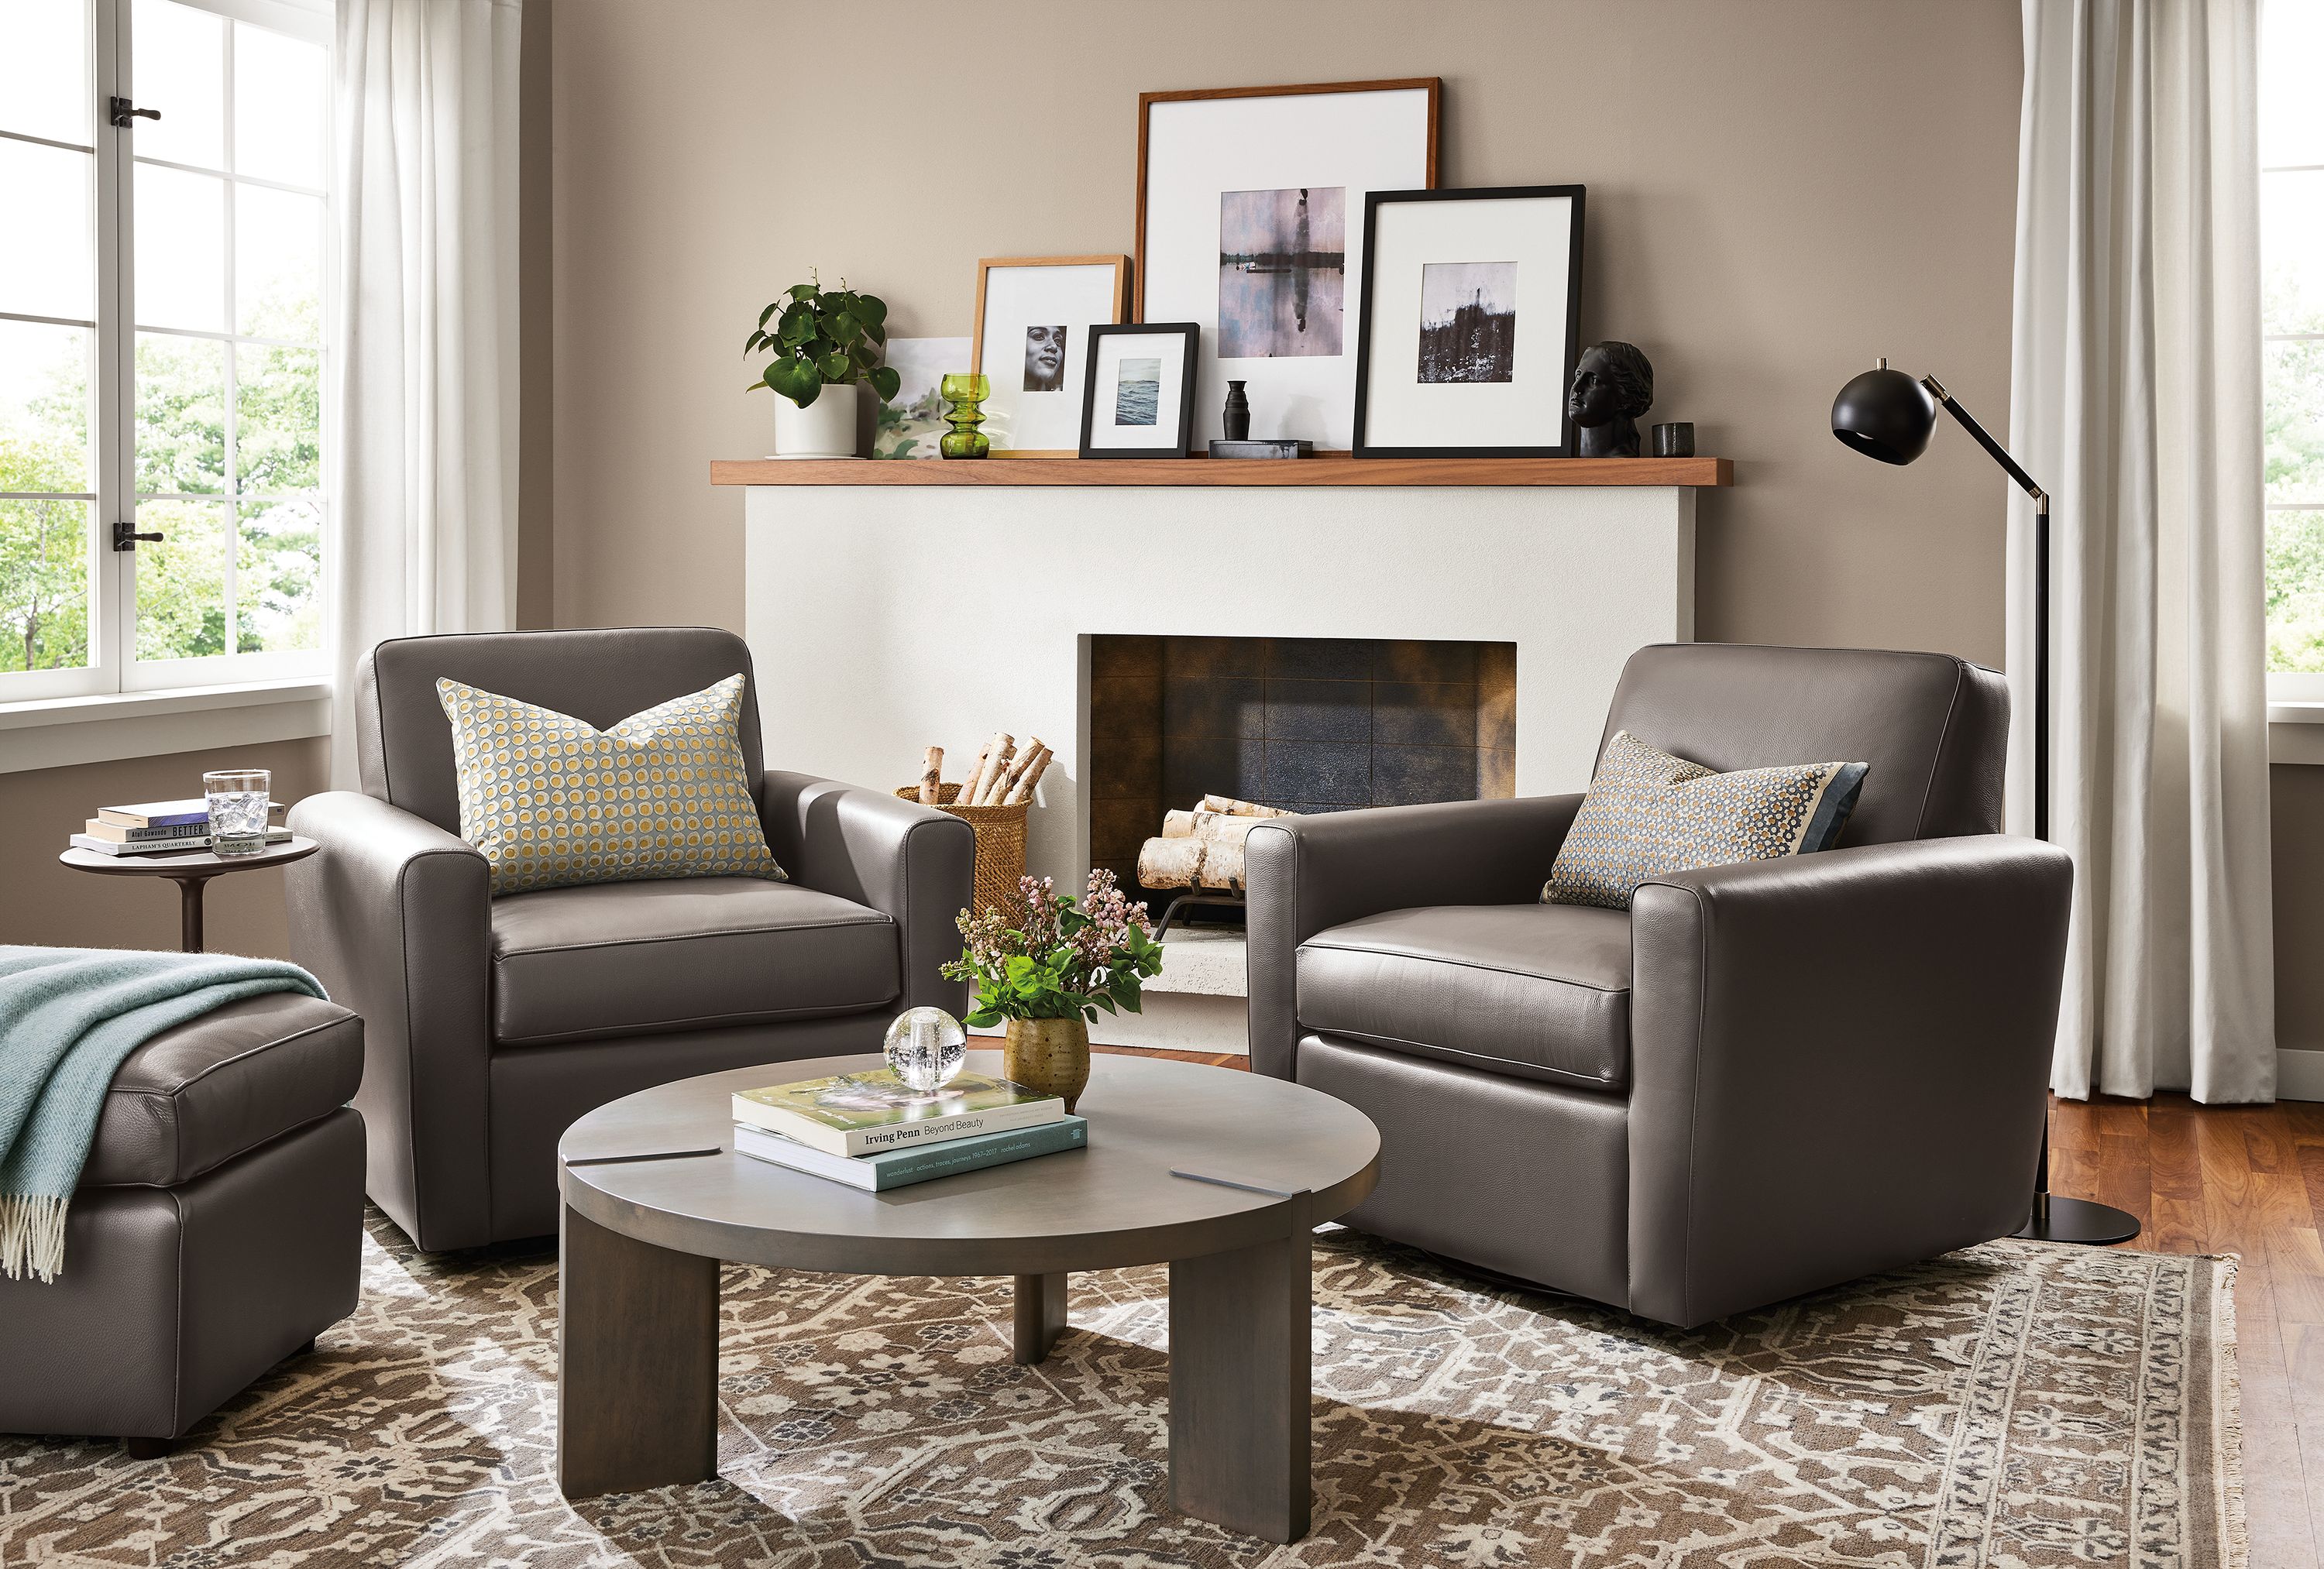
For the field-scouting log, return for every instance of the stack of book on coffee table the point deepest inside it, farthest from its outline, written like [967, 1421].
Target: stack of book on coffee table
[873, 1131]
[155, 827]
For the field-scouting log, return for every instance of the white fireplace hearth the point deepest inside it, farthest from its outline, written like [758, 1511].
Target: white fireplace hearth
[892, 605]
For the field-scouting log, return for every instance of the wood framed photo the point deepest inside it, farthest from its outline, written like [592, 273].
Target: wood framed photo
[1138, 381]
[1471, 318]
[1249, 206]
[1033, 314]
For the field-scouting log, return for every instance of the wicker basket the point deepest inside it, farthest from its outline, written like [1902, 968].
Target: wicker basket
[1000, 842]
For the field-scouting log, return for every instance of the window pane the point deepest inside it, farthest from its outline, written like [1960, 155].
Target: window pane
[181, 580]
[2295, 421]
[180, 414]
[44, 82]
[2291, 111]
[278, 420]
[2292, 252]
[44, 407]
[178, 66]
[278, 264]
[44, 550]
[278, 107]
[180, 222]
[2295, 591]
[279, 578]
[46, 251]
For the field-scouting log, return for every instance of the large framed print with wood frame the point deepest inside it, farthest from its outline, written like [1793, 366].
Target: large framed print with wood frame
[1136, 381]
[1471, 318]
[1033, 317]
[1249, 202]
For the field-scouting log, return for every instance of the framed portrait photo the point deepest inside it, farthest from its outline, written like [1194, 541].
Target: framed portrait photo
[1251, 204]
[1471, 318]
[1138, 381]
[1033, 314]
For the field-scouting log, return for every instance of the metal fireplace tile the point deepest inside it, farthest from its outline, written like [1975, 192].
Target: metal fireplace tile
[1337, 771]
[1425, 713]
[1407, 776]
[1319, 710]
[1212, 707]
[1320, 658]
[1430, 661]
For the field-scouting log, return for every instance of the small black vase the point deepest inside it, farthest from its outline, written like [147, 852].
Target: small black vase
[1236, 416]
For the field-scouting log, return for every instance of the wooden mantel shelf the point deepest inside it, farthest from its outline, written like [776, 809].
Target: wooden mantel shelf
[1693, 472]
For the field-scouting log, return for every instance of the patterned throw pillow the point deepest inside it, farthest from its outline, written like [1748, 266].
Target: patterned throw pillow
[551, 801]
[1648, 812]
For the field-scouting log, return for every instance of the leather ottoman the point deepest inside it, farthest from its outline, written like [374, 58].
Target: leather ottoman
[217, 1228]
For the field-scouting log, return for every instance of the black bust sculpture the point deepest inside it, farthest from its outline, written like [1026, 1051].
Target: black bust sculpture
[1613, 387]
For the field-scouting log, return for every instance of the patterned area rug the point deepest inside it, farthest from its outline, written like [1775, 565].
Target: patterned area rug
[2012, 1404]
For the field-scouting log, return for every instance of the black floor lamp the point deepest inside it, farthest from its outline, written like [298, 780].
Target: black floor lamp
[1888, 415]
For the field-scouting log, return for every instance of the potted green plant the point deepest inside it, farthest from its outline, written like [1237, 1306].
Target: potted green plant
[1046, 964]
[821, 339]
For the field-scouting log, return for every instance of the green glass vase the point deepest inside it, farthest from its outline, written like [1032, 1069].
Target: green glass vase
[966, 394]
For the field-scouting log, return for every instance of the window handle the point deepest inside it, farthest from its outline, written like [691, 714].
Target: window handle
[126, 537]
[123, 111]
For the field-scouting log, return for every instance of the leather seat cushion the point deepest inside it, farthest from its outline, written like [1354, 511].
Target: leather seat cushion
[614, 958]
[1533, 991]
[197, 1095]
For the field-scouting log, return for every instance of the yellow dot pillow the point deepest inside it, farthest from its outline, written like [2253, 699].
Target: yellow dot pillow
[551, 801]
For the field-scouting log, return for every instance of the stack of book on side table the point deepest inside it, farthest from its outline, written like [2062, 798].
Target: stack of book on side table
[873, 1131]
[154, 826]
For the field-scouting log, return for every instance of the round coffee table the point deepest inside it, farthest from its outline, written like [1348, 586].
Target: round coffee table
[1219, 1174]
[191, 871]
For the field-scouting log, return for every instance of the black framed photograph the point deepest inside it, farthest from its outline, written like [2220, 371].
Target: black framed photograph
[1138, 391]
[1471, 322]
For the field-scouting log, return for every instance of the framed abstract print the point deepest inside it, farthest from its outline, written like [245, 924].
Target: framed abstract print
[1471, 321]
[1136, 381]
[1033, 314]
[1251, 204]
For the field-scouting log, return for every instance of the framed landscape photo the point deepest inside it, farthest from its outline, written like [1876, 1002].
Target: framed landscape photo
[1138, 381]
[1033, 314]
[1471, 321]
[909, 424]
[1250, 202]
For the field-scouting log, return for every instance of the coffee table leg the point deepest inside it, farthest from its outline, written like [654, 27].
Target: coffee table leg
[1239, 1366]
[637, 1363]
[1040, 1314]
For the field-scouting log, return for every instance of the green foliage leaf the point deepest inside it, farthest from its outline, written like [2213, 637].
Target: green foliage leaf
[768, 312]
[803, 291]
[796, 380]
[844, 328]
[884, 381]
[871, 310]
[836, 367]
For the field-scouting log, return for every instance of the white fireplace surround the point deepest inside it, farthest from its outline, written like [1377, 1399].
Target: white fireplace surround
[886, 617]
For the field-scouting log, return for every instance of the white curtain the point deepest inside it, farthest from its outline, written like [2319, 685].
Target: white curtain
[2134, 398]
[425, 427]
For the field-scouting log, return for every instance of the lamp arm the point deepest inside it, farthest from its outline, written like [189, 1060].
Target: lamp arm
[1994, 449]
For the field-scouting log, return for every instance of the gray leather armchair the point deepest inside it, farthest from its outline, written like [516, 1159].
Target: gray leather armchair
[1762, 1078]
[490, 1024]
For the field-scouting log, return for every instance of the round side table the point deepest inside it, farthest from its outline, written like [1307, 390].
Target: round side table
[191, 871]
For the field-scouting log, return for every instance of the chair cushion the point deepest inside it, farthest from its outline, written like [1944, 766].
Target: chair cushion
[1648, 813]
[1534, 991]
[615, 959]
[552, 800]
[200, 1094]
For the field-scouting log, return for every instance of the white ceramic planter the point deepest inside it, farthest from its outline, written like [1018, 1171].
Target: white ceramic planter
[825, 428]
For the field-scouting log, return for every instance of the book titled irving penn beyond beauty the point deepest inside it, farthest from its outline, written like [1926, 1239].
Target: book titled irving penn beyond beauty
[863, 1114]
[878, 1173]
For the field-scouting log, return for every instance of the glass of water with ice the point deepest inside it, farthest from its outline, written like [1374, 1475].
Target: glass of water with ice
[238, 801]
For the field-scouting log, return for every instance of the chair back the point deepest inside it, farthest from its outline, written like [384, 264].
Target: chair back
[1934, 729]
[404, 741]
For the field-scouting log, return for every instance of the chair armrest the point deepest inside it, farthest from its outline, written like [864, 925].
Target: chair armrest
[1837, 1064]
[1305, 873]
[912, 863]
[392, 915]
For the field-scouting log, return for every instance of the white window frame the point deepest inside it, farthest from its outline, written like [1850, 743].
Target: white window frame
[115, 681]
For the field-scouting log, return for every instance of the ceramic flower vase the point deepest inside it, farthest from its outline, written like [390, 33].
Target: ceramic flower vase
[1051, 1055]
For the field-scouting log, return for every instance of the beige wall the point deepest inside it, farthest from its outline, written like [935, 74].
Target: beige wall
[1778, 191]
[2297, 820]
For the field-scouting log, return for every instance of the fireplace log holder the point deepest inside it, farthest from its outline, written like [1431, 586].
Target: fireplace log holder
[1225, 901]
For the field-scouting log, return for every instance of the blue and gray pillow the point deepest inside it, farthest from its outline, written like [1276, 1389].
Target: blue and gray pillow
[1648, 812]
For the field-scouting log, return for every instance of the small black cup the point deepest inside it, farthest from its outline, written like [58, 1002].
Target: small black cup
[1675, 439]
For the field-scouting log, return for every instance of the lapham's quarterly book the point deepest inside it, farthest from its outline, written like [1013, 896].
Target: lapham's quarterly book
[864, 1113]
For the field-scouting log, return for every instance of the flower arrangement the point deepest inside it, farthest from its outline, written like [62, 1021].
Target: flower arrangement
[1047, 956]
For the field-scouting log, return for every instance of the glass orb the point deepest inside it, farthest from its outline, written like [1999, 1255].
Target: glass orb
[926, 1047]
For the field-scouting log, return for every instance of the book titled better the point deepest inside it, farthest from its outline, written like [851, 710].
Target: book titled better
[871, 1113]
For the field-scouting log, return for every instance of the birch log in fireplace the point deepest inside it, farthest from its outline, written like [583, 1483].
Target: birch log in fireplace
[891, 605]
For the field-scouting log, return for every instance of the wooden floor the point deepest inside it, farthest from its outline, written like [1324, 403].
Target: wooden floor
[2248, 1181]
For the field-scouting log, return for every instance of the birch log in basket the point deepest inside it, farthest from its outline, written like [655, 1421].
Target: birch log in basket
[999, 841]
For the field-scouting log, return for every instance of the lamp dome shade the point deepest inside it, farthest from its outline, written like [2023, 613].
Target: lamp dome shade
[1884, 414]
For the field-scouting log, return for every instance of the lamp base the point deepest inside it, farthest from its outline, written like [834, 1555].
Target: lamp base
[2059, 1219]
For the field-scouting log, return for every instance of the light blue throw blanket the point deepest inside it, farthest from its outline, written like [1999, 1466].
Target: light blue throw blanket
[68, 1018]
